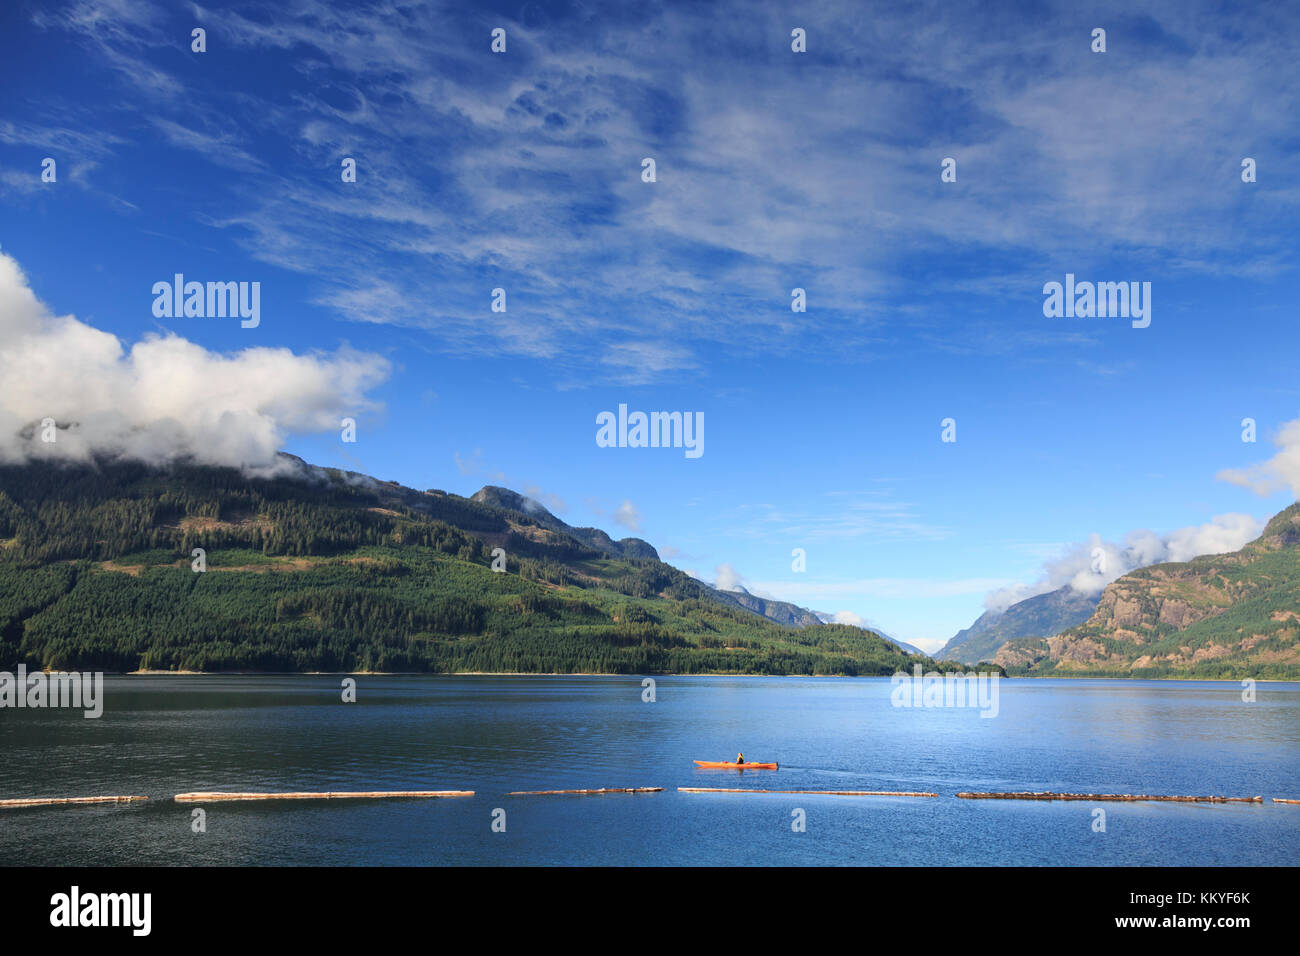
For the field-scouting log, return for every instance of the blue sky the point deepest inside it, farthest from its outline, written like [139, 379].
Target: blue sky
[775, 170]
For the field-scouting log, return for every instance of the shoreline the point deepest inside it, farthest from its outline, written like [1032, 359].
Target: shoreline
[1087, 677]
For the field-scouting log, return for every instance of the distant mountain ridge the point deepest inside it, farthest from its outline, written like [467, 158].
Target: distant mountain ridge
[782, 612]
[952, 651]
[1043, 615]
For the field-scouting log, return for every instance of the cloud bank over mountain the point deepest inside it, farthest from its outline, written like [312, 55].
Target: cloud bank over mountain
[162, 398]
[1092, 564]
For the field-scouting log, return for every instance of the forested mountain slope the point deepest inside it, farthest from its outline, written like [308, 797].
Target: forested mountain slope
[330, 570]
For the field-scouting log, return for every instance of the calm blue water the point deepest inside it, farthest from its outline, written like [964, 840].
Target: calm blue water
[163, 735]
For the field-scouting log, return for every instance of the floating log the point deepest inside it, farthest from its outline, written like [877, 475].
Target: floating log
[211, 797]
[1281, 800]
[836, 793]
[545, 793]
[55, 801]
[1120, 797]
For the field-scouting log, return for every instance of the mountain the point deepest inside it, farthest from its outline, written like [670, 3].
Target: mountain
[1043, 615]
[910, 648]
[1223, 616]
[508, 500]
[121, 566]
[952, 651]
[780, 611]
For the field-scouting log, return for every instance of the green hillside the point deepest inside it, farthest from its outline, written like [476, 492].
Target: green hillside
[333, 571]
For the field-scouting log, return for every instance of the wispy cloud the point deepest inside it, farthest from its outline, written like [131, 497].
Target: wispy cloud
[1277, 473]
[523, 171]
[858, 514]
[825, 592]
[627, 516]
[222, 148]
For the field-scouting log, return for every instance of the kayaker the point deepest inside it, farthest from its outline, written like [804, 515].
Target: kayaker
[740, 758]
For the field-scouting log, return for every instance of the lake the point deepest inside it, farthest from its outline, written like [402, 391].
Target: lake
[161, 735]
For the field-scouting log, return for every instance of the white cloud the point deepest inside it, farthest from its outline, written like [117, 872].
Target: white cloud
[627, 516]
[220, 148]
[468, 466]
[726, 578]
[1277, 473]
[536, 496]
[163, 397]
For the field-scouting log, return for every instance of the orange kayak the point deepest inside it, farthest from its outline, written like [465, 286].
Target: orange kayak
[726, 765]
